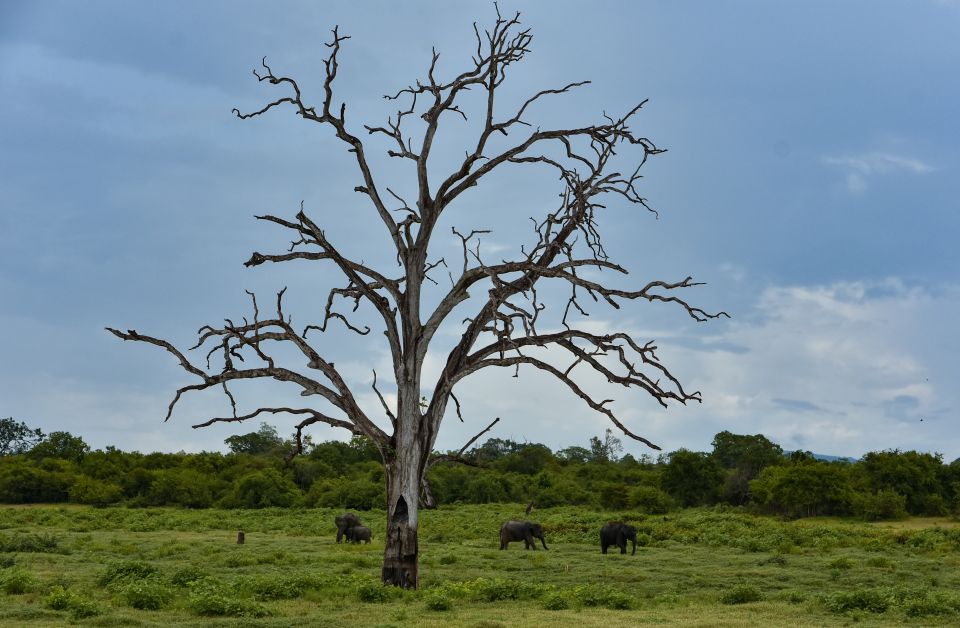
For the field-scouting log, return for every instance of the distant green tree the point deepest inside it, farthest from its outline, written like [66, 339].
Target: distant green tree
[650, 499]
[182, 487]
[527, 459]
[693, 478]
[801, 456]
[262, 489]
[16, 437]
[264, 441]
[574, 455]
[23, 483]
[745, 457]
[804, 489]
[912, 474]
[493, 449]
[62, 445]
[87, 490]
[351, 494]
[881, 505]
[606, 450]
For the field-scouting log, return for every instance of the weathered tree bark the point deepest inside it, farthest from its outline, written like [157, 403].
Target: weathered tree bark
[401, 556]
[503, 332]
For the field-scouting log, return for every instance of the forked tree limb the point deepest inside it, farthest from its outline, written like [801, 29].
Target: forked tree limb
[595, 164]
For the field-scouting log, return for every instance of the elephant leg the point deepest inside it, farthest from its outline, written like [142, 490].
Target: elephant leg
[623, 548]
[603, 548]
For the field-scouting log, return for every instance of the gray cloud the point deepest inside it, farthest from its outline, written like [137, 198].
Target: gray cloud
[797, 405]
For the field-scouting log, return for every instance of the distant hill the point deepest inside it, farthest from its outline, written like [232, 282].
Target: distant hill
[825, 457]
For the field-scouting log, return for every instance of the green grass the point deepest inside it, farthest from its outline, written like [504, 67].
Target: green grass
[700, 567]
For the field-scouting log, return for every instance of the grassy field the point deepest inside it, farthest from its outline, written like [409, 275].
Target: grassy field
[161, 567]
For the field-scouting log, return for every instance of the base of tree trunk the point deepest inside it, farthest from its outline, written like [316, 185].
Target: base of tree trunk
[401, 565]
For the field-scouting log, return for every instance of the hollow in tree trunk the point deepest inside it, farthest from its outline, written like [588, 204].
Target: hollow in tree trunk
[401, 562]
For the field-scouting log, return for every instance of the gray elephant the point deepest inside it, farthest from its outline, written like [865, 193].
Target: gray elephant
[355, 534]
[618, 533]
[344, 521]
[525, 531]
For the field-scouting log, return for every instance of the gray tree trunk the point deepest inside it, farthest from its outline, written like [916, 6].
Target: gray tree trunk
[404, 468]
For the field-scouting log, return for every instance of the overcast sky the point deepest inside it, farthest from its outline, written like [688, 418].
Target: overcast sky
[811, 181]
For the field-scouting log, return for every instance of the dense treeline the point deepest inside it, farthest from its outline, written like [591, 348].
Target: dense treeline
[741, 470]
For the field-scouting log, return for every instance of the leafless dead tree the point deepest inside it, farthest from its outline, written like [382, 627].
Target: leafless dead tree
[504, 332]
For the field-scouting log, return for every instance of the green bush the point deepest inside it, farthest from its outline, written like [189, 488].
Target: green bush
[23, 483]
[375, 591]
[86, 490]
[498, 589]
[651, 500]
[17, 581]
[146, 595]
[597, 595]
[437, 601]
[347, 493]
[262, 489]
[741, 594]
[934, 604]
[60, 599]
[187, 574]
[881, 505]
[278, 587]
[555, 602]
[840, 563]
[35, 543]
[870, 600]
[881, 562]
[563, 493]
[180, 487]
[123, 571]
[207, 598]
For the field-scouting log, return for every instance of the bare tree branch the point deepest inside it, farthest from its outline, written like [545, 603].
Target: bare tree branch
[596, 164]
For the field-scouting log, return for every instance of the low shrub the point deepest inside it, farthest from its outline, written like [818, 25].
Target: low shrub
[650, 499]
[555, 602]
[794, 597]
[122, 571]
[146, 595]
[93, 492]
[437, 601]
[208, 598]
[61, 599]
[932, 605]
[187, 574]
[35, 543]
[278, 587]
[840, 563]
[741, 594]
[375, 591]
[881, 562]
[870, 600]
[17, 581]
[498, 589]
[596, 595]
